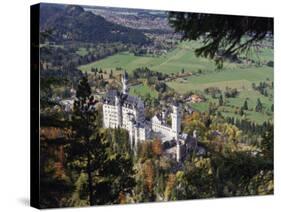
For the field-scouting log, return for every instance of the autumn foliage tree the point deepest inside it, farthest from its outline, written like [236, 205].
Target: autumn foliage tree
[169, 185]
[149, 175]
[157, 148]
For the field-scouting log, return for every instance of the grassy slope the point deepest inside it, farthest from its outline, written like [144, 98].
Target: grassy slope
[143, 90]
[239, 78]
[173, 62]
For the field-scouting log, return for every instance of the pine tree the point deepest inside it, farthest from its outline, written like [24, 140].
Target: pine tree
[265, 92]
[241, 112]
[182, 71]
[259, 106]
[245, 106]
[220, 100]
[83, 90]
[111, 74]
[87, 139]
[108, 173]
[227, 38]
[267, 142]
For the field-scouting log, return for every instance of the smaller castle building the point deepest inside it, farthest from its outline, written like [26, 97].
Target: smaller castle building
[159, 124]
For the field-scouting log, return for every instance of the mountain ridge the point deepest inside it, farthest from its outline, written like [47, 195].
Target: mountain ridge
[73, 23]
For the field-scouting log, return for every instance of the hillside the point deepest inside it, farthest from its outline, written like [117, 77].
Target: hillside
[73, 23]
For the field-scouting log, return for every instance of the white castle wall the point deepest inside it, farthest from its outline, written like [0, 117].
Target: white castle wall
[126, 117]
[165, 130]
[110, 116]
[116, 115]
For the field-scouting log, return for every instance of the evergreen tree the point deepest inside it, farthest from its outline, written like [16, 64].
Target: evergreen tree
[265, 93]
[111, 74]
[241, 112]
[220, 100]
[182, 71]
[245, 106]
[222, 35]
[267, 142]
[259, 106]
[83, 90]
[106, 174]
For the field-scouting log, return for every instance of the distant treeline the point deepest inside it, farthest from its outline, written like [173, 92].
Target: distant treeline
[249, 126]
[145, 72]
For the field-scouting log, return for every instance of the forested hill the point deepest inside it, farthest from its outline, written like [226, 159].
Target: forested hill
[73, 23]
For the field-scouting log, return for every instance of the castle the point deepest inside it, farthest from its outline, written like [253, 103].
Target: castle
[121, 110]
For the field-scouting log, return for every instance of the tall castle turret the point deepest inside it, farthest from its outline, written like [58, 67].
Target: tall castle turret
[125, 89]
[178, 151]
[176, 121]
[131, 130]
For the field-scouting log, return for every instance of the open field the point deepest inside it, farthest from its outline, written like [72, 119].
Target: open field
[143, 90]
[240, 79]
[173, 62]
[82, 51]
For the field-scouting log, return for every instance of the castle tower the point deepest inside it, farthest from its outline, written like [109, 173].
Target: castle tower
[164, 116]
[119, 111]
[195, 137]
[194, 134]
[125, 89]
[178, 151]
[176, 121]
[131, 131]
[136, 129]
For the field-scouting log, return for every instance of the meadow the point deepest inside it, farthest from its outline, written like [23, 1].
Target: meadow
[240, 78]
[174, 61]
[143, 90]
